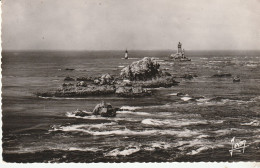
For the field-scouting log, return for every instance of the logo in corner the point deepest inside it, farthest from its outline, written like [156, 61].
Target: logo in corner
[237, 145]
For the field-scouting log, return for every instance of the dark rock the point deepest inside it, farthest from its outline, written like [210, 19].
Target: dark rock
[187, 76]
[104, 109]
[126, 91]
[105, 79]
[82, 84]
[81, 113]
[157, 82]
[221, 75]
[69, 79]
[88, 79]
[180, 94]
[67, 85]
[69, 69]
[144, 69]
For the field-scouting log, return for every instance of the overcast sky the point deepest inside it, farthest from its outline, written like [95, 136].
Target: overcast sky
[132, 24]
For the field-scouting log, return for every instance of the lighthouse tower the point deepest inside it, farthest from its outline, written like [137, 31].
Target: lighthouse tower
[179, 48]
[126, 54]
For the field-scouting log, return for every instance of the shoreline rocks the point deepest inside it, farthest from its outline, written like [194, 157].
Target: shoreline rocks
[104, 110]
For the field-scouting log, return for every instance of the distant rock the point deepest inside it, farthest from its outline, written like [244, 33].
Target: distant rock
[221, 75]
[89, 79]
[126, 91]
[187, 76]
[105, 79]
[67, 85]
[104, 109]
[81, 113]
[236, 79]
[69, 79]
[69, 69]
[82, 84]
[144, 69]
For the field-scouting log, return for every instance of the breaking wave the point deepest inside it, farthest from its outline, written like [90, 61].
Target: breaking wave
[175, 123]
[127, 151]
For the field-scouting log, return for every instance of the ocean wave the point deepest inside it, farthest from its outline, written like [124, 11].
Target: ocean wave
[220, 101]
[175, 123]
[196, 151]
[186, 98]
[173, 94]
[121, 66]
[255, 123]
[121, 130]
[130, 108]
[135, 113]
[125, 152]
[82, 98]
[98, 117]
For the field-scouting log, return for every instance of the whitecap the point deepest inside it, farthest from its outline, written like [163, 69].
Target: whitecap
[98, 117]
[186, 98]
[130, 108]
[252, 123]
[86, 129]
[175, 123]
[121, 66]
[173, 94]
[127, 151]
[134, 113]
[83, 149]
[194, 152]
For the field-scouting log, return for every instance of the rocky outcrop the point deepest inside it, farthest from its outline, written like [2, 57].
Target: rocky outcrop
[133, 79]
[82, 84]
[88, 79]
[156, 82]
[81, 113]
[105, 110]
[105, 79]
[145, 69]
[126, 91]
[69, 79]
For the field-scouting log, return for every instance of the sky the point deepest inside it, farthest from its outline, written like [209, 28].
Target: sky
[131, 24]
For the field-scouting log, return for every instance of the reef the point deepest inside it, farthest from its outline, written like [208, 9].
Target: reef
[133, 81]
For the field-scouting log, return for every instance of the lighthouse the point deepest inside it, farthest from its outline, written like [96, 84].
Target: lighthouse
[126, 54]
[179, 48]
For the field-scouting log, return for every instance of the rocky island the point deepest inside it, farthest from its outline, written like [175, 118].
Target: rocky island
[180, 55]
[133, 81]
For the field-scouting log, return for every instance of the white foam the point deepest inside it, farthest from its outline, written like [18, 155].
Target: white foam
[161, 145]
[134, 113]
[194, 152]
[252, 123]
[130, 108]
[83, 149]
[186, 98]
[98, 117]
[127, 151]
[175, 123]
[117, 131]
[121, 66]
[173, 94]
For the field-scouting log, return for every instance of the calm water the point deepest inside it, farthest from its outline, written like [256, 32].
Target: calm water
[163, 127]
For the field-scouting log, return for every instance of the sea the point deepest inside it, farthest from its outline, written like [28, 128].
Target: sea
[197, 125]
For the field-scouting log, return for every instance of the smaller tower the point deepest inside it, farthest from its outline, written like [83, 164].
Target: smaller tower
[126, 54]
[183, 53]
[179, 48]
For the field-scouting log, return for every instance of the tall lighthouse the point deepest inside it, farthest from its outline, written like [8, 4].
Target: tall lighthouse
[126, 54]
[179, 48]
